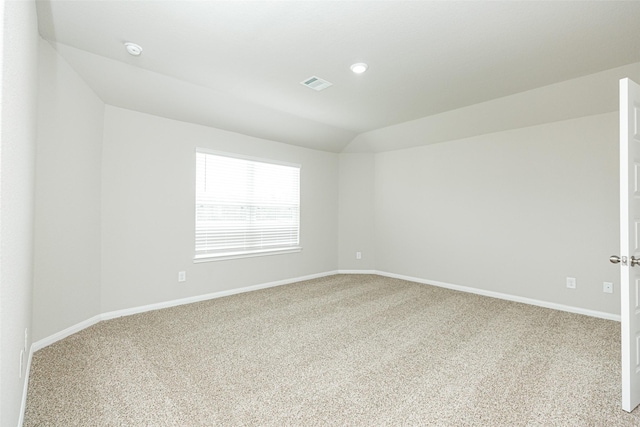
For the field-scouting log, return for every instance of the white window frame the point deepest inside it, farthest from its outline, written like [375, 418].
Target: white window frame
[218, 255]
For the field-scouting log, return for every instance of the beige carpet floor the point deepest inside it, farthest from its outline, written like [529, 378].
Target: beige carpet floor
[344, 350]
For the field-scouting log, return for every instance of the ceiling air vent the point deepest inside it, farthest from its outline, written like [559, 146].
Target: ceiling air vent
[316, 83]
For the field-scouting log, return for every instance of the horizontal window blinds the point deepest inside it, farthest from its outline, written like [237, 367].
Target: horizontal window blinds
[245, 206]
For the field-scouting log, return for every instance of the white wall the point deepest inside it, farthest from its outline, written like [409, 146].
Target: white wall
[148, 174]
[68, 198]
[17, 141]
[356, 206]
[512, 212]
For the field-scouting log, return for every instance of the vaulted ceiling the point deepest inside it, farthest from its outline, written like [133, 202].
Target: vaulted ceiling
[237, 65]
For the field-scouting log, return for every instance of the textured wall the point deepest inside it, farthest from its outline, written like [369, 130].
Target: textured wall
[148, 179]
[18, 138]
[512, 212]
[356, 204]
[68, 198]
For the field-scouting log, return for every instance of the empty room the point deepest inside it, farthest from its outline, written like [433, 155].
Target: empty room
[307, 213]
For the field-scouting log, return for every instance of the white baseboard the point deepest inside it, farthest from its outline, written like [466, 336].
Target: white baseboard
[65, 333]
[204, 297]
[357, 272]
[141, 309]
[508, 297]
[166, 304]
[25, 388]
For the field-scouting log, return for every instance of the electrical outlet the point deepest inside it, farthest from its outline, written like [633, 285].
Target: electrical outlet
[607, 287]
[182, 276]
[358, 255]
[571, 282]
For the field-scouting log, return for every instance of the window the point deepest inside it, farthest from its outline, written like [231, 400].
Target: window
[245, 207]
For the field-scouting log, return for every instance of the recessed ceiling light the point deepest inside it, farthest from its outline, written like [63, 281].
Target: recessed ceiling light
[359, 68]
[133, 49]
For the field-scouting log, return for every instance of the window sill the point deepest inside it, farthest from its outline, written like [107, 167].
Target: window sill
[245, 254]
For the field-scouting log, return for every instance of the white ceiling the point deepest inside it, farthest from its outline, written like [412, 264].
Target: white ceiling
[236, 65]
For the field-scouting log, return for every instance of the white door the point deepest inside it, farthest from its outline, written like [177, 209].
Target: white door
[630, 241]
